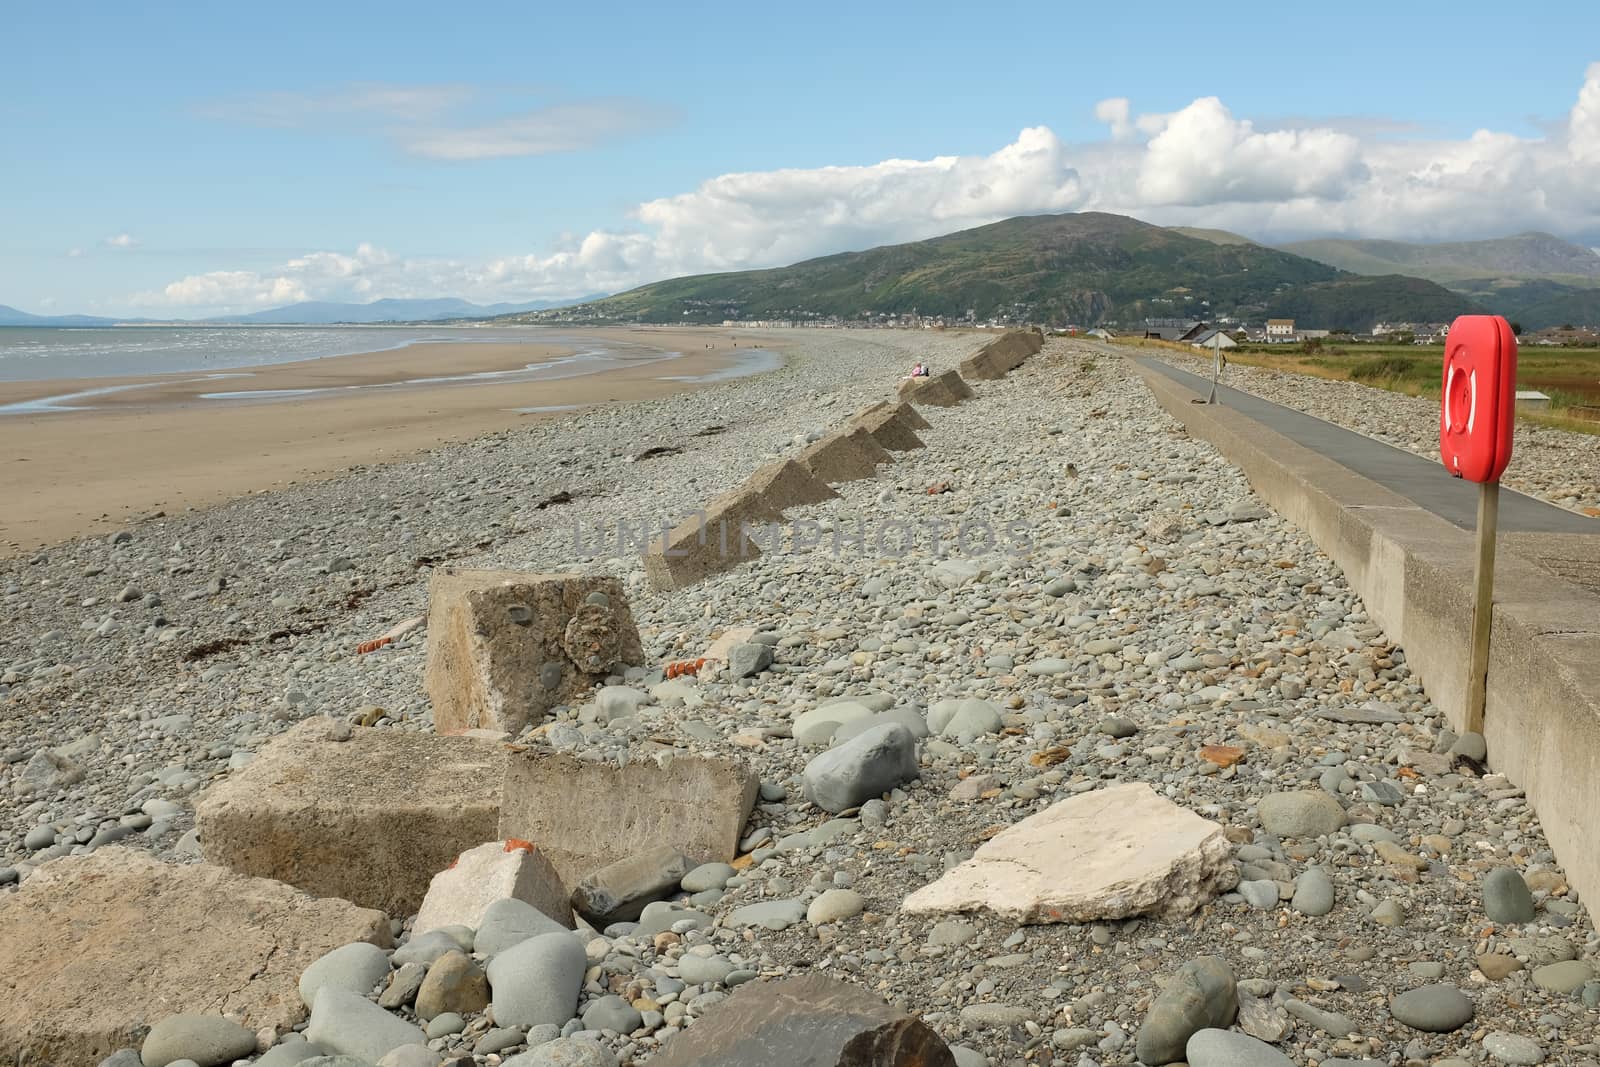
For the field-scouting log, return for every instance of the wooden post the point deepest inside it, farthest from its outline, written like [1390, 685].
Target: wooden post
[1216, 366]
[1482, 602]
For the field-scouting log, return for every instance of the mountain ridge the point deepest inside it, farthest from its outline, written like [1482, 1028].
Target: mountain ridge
[1086, 268]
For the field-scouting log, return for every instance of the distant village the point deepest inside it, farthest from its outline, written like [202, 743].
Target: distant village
[1224, 332]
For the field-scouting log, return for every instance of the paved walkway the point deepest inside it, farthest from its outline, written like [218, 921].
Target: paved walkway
[1423, 481]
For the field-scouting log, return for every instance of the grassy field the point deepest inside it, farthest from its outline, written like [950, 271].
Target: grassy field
[1569, 376]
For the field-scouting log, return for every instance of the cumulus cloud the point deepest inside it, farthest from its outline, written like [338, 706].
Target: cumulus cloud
[1199, 165]
[121, 240]
[447, 122]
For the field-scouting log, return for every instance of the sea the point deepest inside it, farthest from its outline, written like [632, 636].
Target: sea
[219, 352]
[29, 353]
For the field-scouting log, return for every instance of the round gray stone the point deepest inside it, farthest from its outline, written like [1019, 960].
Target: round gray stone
[707, 876]
[1513, 1048]
[355, 968]
[537, 981]
[1434, 1009]
[703, 970]
[1565, 977]
[835, 905]
[1224, 1048]
[611, 1013]
[565, 1052]
[206, 1039]
[1506, 898]
[1303, 813]
[1313, 892]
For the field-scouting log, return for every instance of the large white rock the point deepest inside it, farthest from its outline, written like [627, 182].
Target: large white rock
[499, 870]
[1108, 854]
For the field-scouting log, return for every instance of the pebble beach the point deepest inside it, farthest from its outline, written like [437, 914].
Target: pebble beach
[1062, 592]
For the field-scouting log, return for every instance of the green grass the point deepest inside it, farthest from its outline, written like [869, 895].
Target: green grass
[1569, 376]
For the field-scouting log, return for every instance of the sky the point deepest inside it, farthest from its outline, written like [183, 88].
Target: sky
[180, 160]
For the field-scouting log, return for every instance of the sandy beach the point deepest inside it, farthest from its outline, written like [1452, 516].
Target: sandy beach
[158, 444]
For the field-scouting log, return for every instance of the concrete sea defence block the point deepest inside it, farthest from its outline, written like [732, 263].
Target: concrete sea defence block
[941, 391]
[908, 414]
[786, 484]
[888, 425]
[584, 815]
[506, 646]
[370, 819]
[846, 455]
[93, 949]
[699, 547]
[1002, 355]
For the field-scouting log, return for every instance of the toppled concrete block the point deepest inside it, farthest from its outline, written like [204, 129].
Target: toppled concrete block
[846, 455]
[585, 814]
[888, 425]
[94, 949]
[460, 894]
[1002, 355]
[369, 819]
[836, 1025]
[941, 391]
[506, 646]
[701, 546]
[1107, 854]
[618, 892]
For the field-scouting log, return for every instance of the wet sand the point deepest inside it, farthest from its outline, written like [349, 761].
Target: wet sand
[162, 446]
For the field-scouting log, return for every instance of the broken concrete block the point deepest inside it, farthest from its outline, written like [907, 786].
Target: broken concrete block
[460, 894]
[369, 819]
[846, 455]
[506, 646]
[618, 892]
[833, 1023]
[941, 391]
[1107, 854]
[584, 814]
[888, 425]
[94, 949]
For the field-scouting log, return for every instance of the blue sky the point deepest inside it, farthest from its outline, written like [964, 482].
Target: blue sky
[189, 159]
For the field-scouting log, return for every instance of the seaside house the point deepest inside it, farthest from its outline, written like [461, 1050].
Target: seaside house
[1280, 330]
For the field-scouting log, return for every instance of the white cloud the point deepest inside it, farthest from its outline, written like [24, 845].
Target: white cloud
[558, 128]
[74, 253]
[1199, 165]
[121, 240]
[447, 122]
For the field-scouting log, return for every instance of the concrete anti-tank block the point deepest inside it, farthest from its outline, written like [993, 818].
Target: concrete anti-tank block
[506, 646]
[95, 948]
[369, 819]
[583, 814]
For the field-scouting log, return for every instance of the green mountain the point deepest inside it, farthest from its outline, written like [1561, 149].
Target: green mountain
[1536, 303]
[1078, 268]
[1357, 304]
[1216, 237]
[1526, 255]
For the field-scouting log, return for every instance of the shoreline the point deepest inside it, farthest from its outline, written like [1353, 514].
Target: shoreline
[167, 442]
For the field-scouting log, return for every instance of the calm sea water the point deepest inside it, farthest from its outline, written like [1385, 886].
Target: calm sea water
[29, 353]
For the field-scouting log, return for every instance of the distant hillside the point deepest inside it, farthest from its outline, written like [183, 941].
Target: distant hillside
[1216, 237]
[1358, 303]
[1080, 268]
[1527, 255]
[1536, 304]
[316, 312]
[10, 316]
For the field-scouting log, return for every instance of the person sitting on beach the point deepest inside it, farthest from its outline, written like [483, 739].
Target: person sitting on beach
[918, 371]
